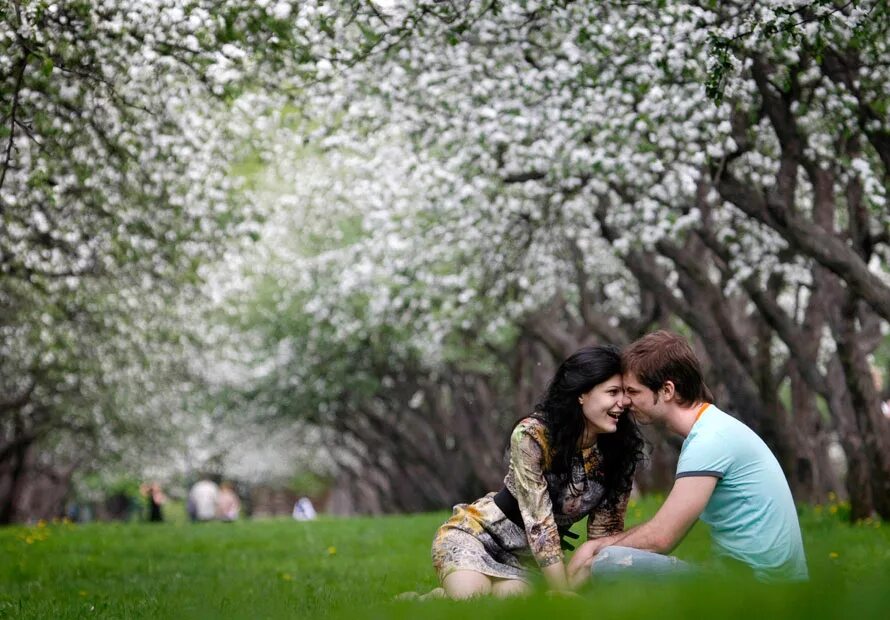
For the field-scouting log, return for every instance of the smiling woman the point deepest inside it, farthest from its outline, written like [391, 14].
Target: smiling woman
[573, 457]
[602, 407]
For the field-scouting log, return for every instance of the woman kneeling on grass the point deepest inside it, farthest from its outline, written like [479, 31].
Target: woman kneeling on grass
[574, 456]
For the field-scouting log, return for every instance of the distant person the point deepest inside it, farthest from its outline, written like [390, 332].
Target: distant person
[304, 510]
[155, 498]
[228, 504]
[573, 457]
[202, 500]
[726, 476]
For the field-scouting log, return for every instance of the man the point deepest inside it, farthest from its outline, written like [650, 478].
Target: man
[202, 500]
[726, 476]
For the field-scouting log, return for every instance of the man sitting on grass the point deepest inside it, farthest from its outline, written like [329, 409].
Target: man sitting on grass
[726, 476]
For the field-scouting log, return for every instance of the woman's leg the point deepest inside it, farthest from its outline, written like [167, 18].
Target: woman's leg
[463, 584]
[504, 588]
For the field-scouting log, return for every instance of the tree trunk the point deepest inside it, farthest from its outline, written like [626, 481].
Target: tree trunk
[859, 489]
[865, 402]
[813, 476]
[17, 470]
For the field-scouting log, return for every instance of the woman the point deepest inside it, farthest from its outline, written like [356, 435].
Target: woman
[156, 499]
[574, 456]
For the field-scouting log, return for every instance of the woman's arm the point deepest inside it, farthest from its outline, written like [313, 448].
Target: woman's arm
[528, 458]
[556, 577]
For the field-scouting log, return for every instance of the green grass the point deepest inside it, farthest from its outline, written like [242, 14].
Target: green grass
[341, 568]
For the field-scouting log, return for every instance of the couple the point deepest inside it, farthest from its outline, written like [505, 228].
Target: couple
[575, 456]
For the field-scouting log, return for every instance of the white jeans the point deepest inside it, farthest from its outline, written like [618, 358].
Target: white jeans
[615, 559]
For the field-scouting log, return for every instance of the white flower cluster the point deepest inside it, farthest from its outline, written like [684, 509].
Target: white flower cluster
[119, 181]
[464, 164]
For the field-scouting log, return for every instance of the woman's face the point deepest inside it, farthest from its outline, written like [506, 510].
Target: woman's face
[603, 405]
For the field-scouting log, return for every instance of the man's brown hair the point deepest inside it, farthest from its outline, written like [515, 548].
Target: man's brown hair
[664, 356]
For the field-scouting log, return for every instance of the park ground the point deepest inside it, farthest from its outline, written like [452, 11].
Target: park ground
[346, 568]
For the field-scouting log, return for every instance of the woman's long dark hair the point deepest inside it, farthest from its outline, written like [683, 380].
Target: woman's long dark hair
[561, 413]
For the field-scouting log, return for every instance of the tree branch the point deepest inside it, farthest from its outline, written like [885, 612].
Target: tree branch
[811, 240]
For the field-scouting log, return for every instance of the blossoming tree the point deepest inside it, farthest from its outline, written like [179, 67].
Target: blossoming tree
[612, 166]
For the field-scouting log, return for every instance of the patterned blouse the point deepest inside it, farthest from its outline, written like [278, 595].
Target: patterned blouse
[546, 502]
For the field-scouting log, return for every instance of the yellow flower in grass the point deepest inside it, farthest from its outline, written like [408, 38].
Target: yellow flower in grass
[287, 577]
[834, 555]
[332, 550]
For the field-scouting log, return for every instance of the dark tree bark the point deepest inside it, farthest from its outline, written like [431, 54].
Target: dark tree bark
[814, 476]
[865, 401]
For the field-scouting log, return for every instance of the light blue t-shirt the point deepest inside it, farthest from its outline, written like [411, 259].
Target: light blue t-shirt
[751, 512]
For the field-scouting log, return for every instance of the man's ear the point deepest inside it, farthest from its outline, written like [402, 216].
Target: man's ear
[669, 390]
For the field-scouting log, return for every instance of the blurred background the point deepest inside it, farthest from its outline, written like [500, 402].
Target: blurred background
[334, 250]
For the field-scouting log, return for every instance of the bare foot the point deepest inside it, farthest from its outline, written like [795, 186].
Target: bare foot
[415, 596]
[434, 593]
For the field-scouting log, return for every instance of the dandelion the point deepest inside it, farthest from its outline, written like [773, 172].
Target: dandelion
[833, 509]
[41, 524]
[834, 555]
[287, 577]
[332, 550]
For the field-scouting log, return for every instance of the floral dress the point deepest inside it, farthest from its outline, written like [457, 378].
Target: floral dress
[479, 537]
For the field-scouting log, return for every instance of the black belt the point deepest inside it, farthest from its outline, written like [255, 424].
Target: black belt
[510, 507]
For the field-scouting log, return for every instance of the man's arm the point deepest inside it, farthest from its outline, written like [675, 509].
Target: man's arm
[661, 533]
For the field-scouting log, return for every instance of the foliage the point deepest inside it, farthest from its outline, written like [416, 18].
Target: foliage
[553, 172]
[121, 122]
[459, 194]
[309, 483]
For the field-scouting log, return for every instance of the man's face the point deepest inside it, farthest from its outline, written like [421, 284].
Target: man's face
[639, 399]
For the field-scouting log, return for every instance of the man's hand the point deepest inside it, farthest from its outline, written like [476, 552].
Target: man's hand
[579, 566]
[581, 575]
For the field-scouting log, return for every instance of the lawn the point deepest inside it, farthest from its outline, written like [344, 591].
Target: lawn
[342, 568]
